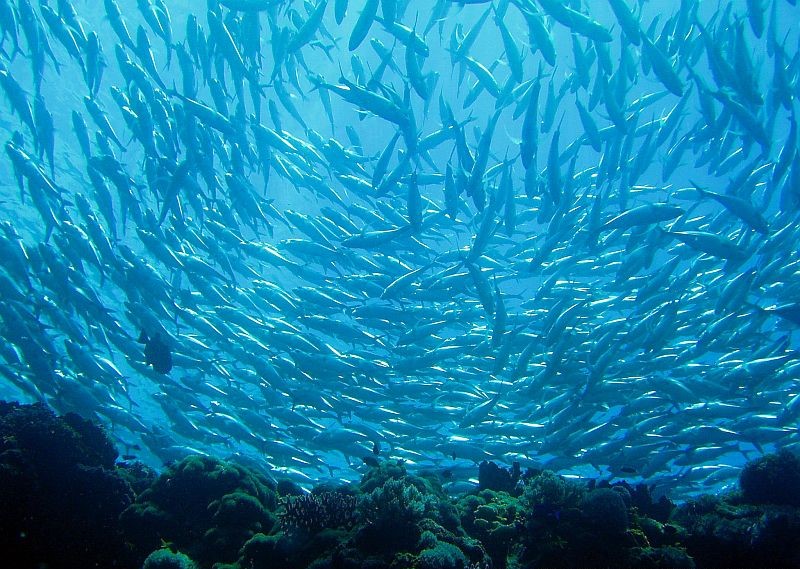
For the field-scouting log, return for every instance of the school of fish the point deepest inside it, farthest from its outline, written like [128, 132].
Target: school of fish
[315, 234]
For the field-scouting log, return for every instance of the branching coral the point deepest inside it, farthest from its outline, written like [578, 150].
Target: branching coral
[396, 502]
[312, 513]
[390, 515]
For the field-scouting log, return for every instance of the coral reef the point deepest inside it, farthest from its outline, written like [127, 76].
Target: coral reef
[443, 555]
[605, 511]
[772, 479]
[548, 495]
[209, 514]
[166, 559]
[203, 506]
[495, 519]
[392, 512]
[60, 495]
[569, 524]
[724, 532]
[641, 498]
[493, 477]
[311, 513]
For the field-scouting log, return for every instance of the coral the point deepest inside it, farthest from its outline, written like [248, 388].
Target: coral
[60, 442]
[656, 533]
[493, 518]
[378, 475]
[642, 499]
[442, 556]
[204, 506]
[427, 540]
[54, 469]
[433, 533]
[772, 479]
[776, 536]
[225, 516]
[288, 488]
[241, 510]
[236, 516]
[567, 525]
[547, 495]
[166, 559]
[395, 502]
[659, 558]
[722, 533]
[605, 511]
[265, 551]
[493, 477]
[138, 475]
[429, 485]
[391, 513]
[310, 513]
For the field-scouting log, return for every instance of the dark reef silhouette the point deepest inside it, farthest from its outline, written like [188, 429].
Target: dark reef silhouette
[65, 502]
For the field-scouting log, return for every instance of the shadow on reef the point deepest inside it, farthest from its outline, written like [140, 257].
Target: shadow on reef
[65, 503]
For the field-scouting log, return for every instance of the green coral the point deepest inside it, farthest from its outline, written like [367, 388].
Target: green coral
[472, 548]
[238, 510]
[166, 559]
[495, 519]
[568, 525]
[427, 540]
[552, 491]
[377, 476]
[289, 551]
[206, 507]
[660, 558]
[406, 514]
[267, 551]
[442, 556]
[441, 507]
[223, 516]
[395, 502]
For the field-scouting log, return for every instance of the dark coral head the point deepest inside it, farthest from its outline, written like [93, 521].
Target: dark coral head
[772, 479]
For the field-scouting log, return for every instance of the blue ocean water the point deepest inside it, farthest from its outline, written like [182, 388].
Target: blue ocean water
[506, 231]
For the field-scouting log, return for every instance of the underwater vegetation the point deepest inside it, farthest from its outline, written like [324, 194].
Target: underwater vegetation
[322, 236]
[65, 502]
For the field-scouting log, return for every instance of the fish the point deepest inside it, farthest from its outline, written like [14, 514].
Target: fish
[739, 207]
[10, 25]
[710, 243]
[643, 215]
[17, 98]
[115, 18]
[362, 26]
[557, 233]
[661, 66]
[577, 21]
[156, 352]
[250, 5]
[626, 19]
